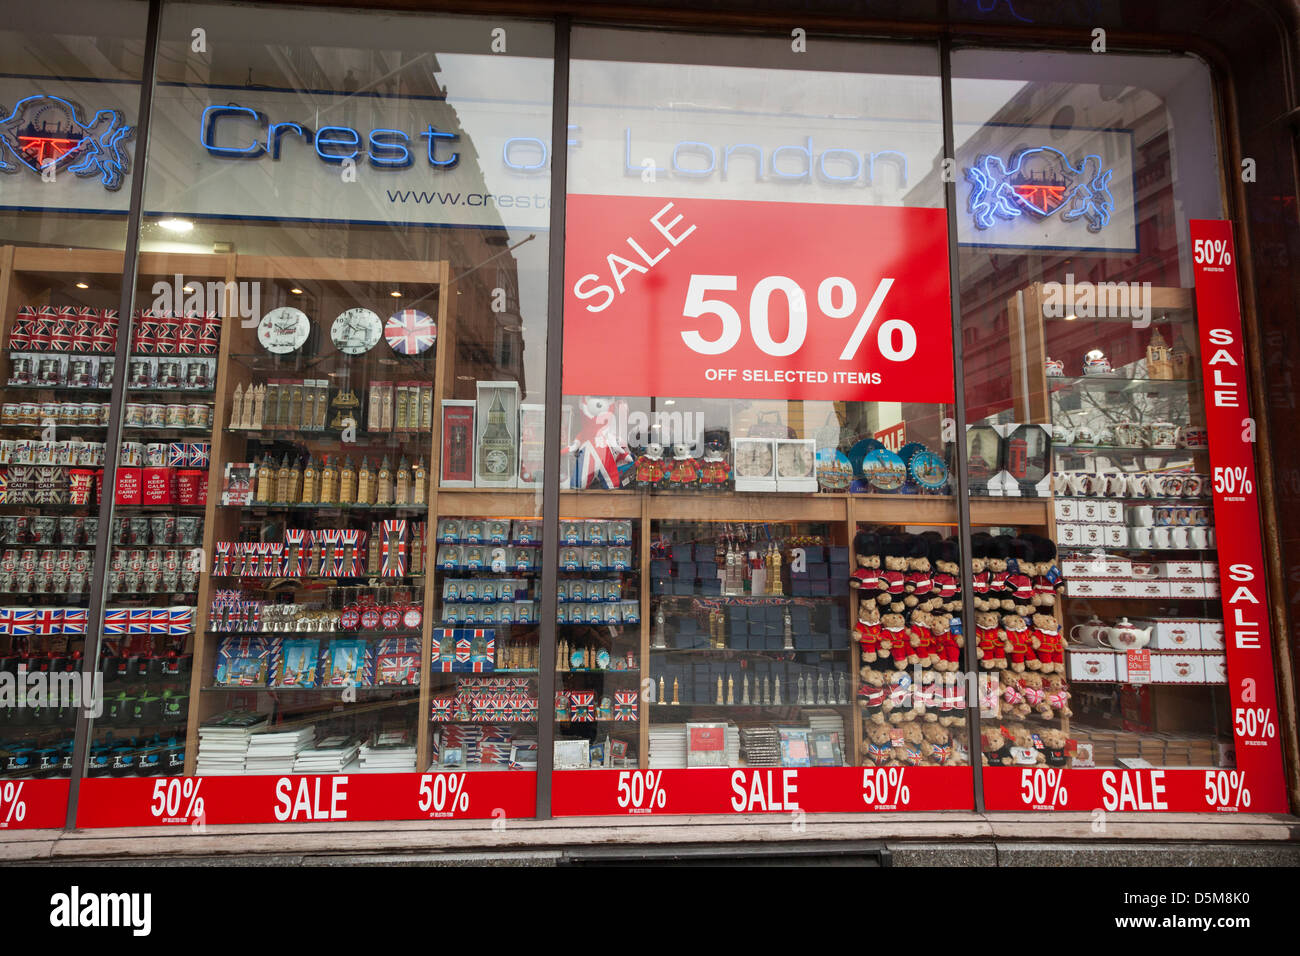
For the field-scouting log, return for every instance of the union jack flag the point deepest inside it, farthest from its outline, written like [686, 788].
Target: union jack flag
[582, 706]
[75, 620]
[410, 332]
[115, 620]
[393, 548]
[625, 705]
[180, 620]
[177, 454]
[139, 620]
[463, 645]
[200, 454]
[26, 622]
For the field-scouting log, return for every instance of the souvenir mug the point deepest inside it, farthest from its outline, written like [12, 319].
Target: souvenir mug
[1140, 536]
[1162, 435]
[1161, 536]
[1084, 435]
[1194, 485]
[1129, 434]
[1114, 483]
[1179, 537]
[1139, 484]
[1198, 537]
[1193, 436]
[1082, 483]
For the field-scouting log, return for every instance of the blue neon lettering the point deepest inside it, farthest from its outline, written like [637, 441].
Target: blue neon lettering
[433, 135]
[382, 152]
[692, 146]
[325, 139]
[277, 130]
[758, 157]
[207, 130]
[525, 142]
[628, 168]
[853, 158]
[901, 163]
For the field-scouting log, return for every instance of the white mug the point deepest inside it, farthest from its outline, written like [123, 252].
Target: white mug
[1142, 516]
[1199, 537]
[1179, 536]
[1161, 536]
[1140, 537]
[1082, 483]
[1139, 484]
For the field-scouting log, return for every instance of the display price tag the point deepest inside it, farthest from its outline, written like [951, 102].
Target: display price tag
[1139, 666]
[728, 299]
[765, 790]
[33, 804]
[197, 801]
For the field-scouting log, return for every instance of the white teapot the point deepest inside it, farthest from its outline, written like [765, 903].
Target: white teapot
[1125, 636]
[1088, 632]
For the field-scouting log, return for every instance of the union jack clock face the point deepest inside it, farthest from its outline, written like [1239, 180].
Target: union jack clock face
[350, 617]
[370, 618]
[390, 617]
[410, 332]
[411, 618]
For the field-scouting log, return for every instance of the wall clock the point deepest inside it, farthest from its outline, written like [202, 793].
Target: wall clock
[283, 330]
[410, 332]
[356, 331]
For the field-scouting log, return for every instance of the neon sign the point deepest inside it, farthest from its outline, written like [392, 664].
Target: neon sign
[47, 135]
[1040, 181]
[384, 148]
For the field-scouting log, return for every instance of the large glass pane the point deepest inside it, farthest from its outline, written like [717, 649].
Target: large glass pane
[1100, 607]
[69, 96]
[348, 205]
[757, 361]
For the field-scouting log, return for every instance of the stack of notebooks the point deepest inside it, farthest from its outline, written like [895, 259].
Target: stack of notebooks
[223, 742]
[760, 746]
[274, 751]
[826, 737]
[330, 755]
[388, 752]
[667, 746]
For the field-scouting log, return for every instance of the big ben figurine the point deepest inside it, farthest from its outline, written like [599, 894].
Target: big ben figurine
[385, 490]
[309, 473]
[496, 449]
[347, 483]
[365, 484]
[328, 483]
[282, 481]
[419, 483]
[402, 495]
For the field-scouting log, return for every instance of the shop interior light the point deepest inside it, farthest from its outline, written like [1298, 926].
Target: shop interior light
[296, 291]
[82, 285]
[1071, 317]
[396, 294]
[189, 288]
[670, 401]
[178, 226]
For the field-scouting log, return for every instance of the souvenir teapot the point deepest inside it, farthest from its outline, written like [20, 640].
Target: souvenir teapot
[1096, 363]
[1087, 632]
[1054, 368]
[1125, 636]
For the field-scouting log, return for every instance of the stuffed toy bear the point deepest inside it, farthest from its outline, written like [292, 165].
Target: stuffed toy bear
[995, 749]
[999, 554]
[891, 579]
[947, 645]
[867, 631]
[992, 641]
[684, 469]
[908, 752]
[1019, 581]
[947, 574]
[1048, 647]
[871, 695]
[952, 708]
[1019, 649]
[895, 639]
[980, 573]
[1013, 696]
[1057, 694]
[990, 694]
[937, 746]
[1028, 753]
[1031, 689]
[866, 551]
[928, 697]
[877, 746]
[1054, 741]
[917, 582]
[922, 645]
[1048, 582]
[900, 703]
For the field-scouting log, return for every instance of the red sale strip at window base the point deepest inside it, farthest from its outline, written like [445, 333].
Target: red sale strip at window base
[192, 801]
[33, 804]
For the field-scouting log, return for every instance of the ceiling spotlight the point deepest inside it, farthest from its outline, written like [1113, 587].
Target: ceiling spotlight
[296, 291]
[82, 285]
[395, 294]
[179, 226]
[189, 288]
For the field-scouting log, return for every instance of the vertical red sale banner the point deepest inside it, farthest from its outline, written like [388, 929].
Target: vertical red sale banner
[1231, 430]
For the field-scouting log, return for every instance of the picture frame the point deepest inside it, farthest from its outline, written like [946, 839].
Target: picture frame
[458, 441]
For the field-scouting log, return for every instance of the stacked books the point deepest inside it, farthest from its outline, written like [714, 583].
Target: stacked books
[274, 752]
[760, 746]
[330, 755]
[667, 746]
[223, 741]
[826, 737]
[388, 752]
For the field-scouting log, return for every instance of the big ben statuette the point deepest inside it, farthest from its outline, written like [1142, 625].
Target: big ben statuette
[496, 450]
[420, 483]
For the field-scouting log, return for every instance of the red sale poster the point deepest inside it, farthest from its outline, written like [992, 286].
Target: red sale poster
[713, 298]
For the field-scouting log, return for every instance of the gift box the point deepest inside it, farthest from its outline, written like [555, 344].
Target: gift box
[129, 488]
[441, 708]
[625, 703]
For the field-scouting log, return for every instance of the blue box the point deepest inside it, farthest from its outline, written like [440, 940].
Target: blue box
[839, 570]
[839, 587]
[660, 568]
[818, 570]
[839, 640]
[821, 588]
[838, 555]
[738, 642]
[683, 586]
[757, 630]
[801, 587]
[685, 569]
[712, 586]
[775, 642]
[775, 613]
[815, 552]
[803, 641]
[706, 569]
[682, 552]
[820, 641]
[800, 618]
[688, 625]
[737, 627]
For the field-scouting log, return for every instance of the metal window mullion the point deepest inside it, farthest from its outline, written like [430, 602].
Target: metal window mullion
[112, 436]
